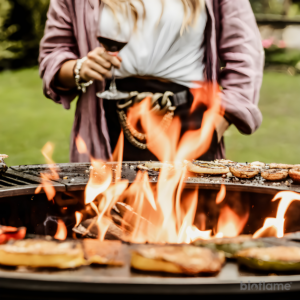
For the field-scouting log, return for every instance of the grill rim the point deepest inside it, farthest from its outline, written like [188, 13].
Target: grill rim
[63, 186]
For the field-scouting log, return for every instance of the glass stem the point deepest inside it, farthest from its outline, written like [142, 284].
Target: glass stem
[113, 87]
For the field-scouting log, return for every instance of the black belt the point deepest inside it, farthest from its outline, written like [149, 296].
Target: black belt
[180, 98]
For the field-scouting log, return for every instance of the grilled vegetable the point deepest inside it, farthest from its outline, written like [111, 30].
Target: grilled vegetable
[271, 259]
[225, 162]
[204, 167]
[241, 171]
[258, 165]
[283, 166]
[275, 174]
[230, 246]
[11, 233]
[154, 166]
[188, 260]
[295, 174]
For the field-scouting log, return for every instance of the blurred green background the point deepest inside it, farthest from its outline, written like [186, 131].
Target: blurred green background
[28, 120]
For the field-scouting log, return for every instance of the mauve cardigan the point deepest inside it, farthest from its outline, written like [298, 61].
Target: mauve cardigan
[232, 37]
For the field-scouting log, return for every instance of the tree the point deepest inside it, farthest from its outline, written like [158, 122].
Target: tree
[21, 28]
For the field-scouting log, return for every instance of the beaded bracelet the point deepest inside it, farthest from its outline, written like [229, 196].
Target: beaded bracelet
[81, 85]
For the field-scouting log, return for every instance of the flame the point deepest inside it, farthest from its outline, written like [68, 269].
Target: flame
[81, 146]
[101, 187]
[100, 175]
[100, 180]
[118, 156]
[229, 223]
[61, 232]
[165, 212]
[221, 195]
[78, 217]
[195, 234]
[275, 226]
[161, 214]
[46, 184]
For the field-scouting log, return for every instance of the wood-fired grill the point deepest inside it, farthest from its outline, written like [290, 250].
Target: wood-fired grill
[19, 203]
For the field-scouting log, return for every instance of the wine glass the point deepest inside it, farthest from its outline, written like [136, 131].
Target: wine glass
[113, 33]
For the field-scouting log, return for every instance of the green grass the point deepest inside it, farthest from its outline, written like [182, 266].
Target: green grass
[278, 138]
[28, 120]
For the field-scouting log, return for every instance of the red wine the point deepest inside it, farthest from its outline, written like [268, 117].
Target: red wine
[111, 45]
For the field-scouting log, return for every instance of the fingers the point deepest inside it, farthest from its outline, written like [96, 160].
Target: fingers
[88, 74]
[96, 57]
[113, 60]
[104, 72]
[98, 65]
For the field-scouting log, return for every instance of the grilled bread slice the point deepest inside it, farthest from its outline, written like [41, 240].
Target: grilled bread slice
[281, 258]
[204, 167]
[187, 260]
[295, 174]
[42, 254]
[275, 174]
[241, 171]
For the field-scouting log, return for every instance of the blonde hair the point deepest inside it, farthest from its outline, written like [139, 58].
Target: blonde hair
[192, 9]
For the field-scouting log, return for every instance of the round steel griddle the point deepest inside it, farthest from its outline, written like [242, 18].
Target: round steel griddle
[23, 180]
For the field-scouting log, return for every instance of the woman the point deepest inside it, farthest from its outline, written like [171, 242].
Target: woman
[186, 41]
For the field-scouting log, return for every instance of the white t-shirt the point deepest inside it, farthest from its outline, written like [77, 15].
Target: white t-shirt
[156, 48]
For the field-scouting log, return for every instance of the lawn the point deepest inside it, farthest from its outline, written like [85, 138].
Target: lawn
[28, 120]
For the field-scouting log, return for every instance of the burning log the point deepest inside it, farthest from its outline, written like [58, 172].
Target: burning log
[90, 229]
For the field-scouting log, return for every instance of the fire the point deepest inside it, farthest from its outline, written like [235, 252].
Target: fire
[78, 217]
[61, 232]
[229, 223]
[47, 151]
[165, 212]
[275, 226]
[221, 195]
